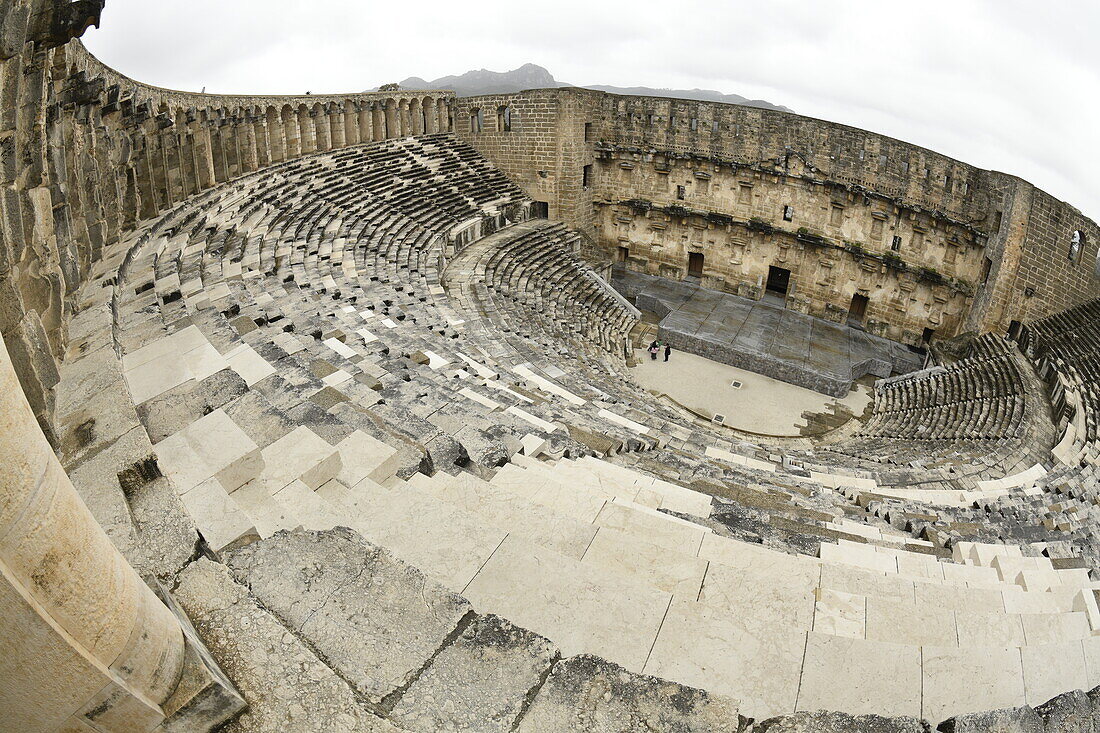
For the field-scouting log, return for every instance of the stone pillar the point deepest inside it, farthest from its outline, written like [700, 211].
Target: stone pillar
[188, 172]
[276, 136]
[352, 124]
[321, 130]
[85, 640]
[337, 128]
[158, 172]
[217, 153]
[444, 112]
[263, 144]
[307, 132]
[144, 158]
[249, 155]
[293, 135]
[390, 128]
[404, 121]
[172, 165]
[204, 160]
[366, 122]
[231, 144]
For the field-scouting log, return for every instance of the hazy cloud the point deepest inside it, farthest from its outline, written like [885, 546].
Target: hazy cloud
[1004, 84]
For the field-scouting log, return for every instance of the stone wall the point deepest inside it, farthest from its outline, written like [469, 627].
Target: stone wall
[976, 249]
[85, 153]
[538, 139]
[916, 270]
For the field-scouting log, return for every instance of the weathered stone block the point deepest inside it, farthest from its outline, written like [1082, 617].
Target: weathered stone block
[829, 722]
[480, 682]
[375, 619]
[590, 694]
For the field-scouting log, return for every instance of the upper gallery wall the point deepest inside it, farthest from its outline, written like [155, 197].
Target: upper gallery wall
[86, 153]
[934, 245]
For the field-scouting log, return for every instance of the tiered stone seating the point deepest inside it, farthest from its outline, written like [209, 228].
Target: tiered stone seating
[979, 398]
[1065, 351]
[325, 345]
[963, 427]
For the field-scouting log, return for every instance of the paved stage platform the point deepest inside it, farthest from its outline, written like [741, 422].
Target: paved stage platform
[764, 337]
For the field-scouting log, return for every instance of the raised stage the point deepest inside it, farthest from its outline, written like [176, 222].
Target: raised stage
[763, 336]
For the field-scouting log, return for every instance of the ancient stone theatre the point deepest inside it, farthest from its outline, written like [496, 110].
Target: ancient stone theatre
[334, 413]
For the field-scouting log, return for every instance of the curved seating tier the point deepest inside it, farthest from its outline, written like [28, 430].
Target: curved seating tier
[975, 418]
[304, 351]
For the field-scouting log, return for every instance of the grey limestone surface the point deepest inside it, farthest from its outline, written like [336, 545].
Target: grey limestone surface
[830, 722]
[287, 687]
[763, 336]
[586, 693]
[478, 683]
[374, 619]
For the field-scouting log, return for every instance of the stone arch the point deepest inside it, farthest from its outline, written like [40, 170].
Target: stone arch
[416, 118]
[504, 118]
[428, 116]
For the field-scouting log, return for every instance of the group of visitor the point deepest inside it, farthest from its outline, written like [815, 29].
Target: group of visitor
[655, 348]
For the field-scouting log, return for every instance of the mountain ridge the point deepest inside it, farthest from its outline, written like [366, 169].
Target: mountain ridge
[532, 76]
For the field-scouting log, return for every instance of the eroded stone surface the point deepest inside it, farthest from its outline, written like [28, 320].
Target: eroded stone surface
[1011, 720]
[286, 686]
[373, 618]
[590, 694]
[824, 722]
[478, 683]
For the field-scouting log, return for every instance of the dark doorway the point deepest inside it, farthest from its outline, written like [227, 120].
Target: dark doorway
[540, 209]
[624, 252]
[695, 264]
[1014, 329]
[857, 310]
[779, 279]
[926, 337]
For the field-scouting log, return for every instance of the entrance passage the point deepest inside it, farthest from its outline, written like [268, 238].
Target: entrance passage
[695, 264]
[779, 279]
[540, 209]
[857, 310]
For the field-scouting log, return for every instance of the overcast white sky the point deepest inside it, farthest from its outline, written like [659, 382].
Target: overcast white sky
[1012, 85]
